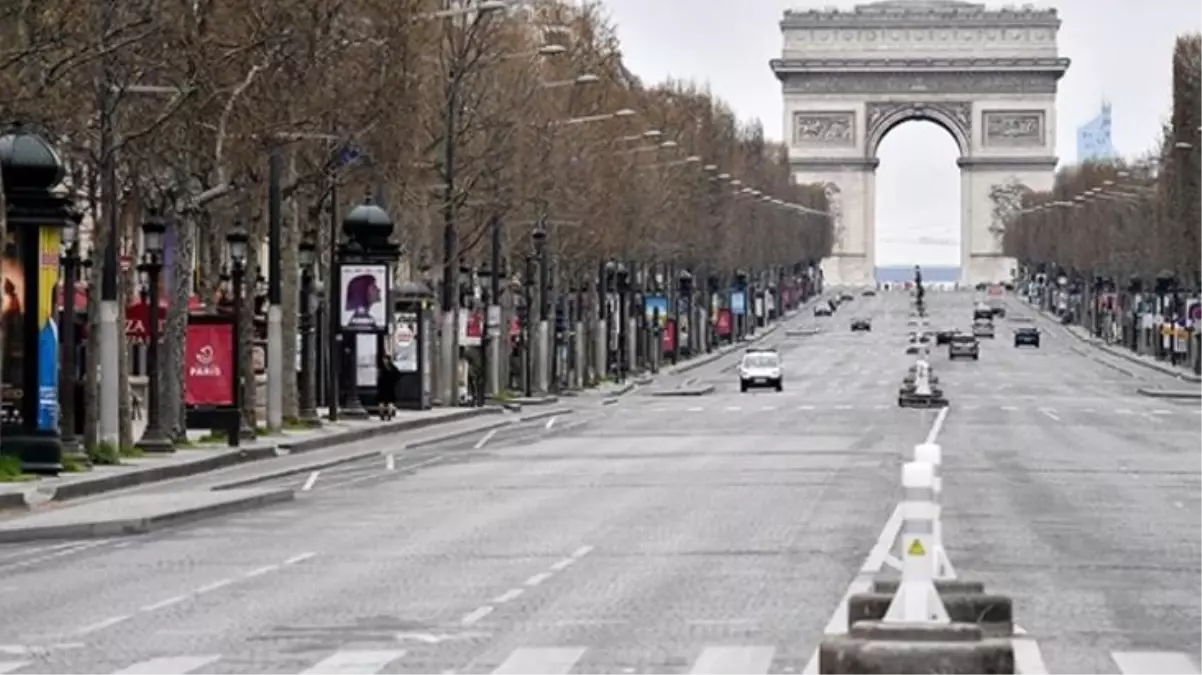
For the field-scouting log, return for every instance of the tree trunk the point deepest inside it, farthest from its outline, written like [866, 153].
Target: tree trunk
[289, 302]
[250, 387]
[126, 290]
[171, 385]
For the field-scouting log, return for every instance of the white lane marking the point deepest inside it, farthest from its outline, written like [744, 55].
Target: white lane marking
[163, 603]
[937, 425]
[1009, 408]
[67, 549]
[538, 578]
[260, 571]
[880, 406]
[169, 664]
[733, 408]
[101, 625]
[971, 406]
[734, 660]
[563, 564]
[485, 439]
[10, 666]
[768, 407]
[476, 614]
[355, 662]
[38, 549]
[540, 661]
[1122, 411]
[1162, 412]
[842, 407]
[582, 551]
[805, 407]
[390, 462]
[1028, 660]
[696, 408]
[508, 595]
[1154, 663]
[299, 558]
[207, 588]
[310, 481]
[1050, 414]
[551, 422]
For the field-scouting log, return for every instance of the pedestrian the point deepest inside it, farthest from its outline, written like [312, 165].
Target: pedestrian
[387, 377]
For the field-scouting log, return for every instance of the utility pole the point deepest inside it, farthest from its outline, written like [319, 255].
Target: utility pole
[109, 423]
[275, 313]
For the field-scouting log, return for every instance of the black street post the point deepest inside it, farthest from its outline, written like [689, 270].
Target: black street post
[334, 333]
[68, 349]
[605, 288]
[154, 440]
[528, 327]
[740, 327]
[307, 254]
[539, 238]
[238, 241]
[684, 290]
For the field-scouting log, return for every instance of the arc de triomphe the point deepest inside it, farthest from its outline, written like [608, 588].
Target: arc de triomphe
[987, 76]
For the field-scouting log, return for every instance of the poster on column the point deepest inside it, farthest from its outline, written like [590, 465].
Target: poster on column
[364, 298]
[13, 316]
[49, 243]
[404, 341]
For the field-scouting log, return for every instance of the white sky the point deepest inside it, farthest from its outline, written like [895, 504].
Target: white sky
[1121, 50]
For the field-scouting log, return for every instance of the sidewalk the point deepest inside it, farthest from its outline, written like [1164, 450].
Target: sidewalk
[1081, 333]
[210, 457]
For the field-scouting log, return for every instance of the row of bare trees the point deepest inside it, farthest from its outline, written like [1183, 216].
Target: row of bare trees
[457, 111]
[1126, 221]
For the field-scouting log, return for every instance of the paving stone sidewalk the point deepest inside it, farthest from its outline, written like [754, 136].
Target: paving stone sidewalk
[210, 457]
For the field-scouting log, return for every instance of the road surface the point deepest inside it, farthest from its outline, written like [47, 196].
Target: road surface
[671, 535]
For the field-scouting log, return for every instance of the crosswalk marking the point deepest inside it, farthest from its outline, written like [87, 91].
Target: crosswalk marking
[540, 661]
[733, 661]
[1154, 663]
[169, 665]
[10, 666]
[355, 662]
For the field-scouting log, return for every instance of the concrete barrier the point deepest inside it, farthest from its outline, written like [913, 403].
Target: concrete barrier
[906, 648]
[993, 613]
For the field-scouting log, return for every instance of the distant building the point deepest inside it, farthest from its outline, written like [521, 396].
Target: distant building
[1093, 138]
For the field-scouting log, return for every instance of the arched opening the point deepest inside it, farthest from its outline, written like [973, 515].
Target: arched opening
[917, 203]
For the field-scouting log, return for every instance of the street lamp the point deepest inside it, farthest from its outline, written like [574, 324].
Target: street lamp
[539, 238]
[153, 439]
[307, 256]
[238, 241]
[68, 349]
[684, 290]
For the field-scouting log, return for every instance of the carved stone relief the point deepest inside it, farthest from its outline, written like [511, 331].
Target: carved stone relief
[1007, 200]
[1015, 128]
[824, 128]
[958, 112]
[919, 83]
[834, 201]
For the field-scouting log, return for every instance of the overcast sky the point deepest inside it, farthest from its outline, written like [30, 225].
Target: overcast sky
[1121, 50]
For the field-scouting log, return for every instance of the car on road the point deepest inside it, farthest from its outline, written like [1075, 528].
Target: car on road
[964, 347]
[913, 346]
[860, 324]
[761, 368]
[1027, 335]
[822, 310]
[999, 310]
[869, 293]
[945, 336]
[982, 329]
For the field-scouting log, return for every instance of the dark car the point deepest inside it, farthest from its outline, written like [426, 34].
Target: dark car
[1026, 336]
[999, 312]
[846, 297]
[982, 312]
[945, 336]
[822, 310]
[869, 293]
[964, 346]
[861, 325]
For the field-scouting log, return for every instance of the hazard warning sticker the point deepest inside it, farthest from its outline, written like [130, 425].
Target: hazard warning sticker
[916, 550]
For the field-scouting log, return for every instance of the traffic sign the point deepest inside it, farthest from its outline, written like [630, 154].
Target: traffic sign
[916, 549]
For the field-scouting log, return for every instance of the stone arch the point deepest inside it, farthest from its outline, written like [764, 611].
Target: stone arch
[882, 117]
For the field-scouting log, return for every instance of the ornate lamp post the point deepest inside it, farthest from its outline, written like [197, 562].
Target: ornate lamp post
[71, 264]
[239, 241]
[538, 237]
[623, 278]
[153, 439]
[684, 289]
[307, 254]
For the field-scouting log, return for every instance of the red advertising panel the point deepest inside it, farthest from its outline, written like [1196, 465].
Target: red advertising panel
[209, 365]
[137, 321]
[723, 324]
[669, 335]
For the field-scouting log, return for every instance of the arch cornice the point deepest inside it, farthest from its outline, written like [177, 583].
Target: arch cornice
[954, 116]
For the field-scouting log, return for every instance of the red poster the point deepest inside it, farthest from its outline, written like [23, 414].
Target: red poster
[723, 324]
[669, 335]
[137, 321]
[209, 365]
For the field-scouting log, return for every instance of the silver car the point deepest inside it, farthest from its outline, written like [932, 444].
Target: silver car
[982, 329]
[761, 368]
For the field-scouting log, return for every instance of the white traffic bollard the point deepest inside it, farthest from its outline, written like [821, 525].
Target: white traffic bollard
[922, 378]
[931, 453]
[916, 600]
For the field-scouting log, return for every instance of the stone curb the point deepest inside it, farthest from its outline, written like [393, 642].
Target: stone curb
[223, 459]
[1170, 393]
[319, 465]
[128, 526]
[693, 391]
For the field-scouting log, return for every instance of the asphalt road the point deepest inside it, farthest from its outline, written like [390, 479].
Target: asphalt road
[702, 534]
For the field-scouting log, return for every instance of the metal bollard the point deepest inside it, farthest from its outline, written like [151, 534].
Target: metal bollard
[931, 453]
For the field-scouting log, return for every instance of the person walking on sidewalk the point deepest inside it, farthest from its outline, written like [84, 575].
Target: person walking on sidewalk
[387, 378]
